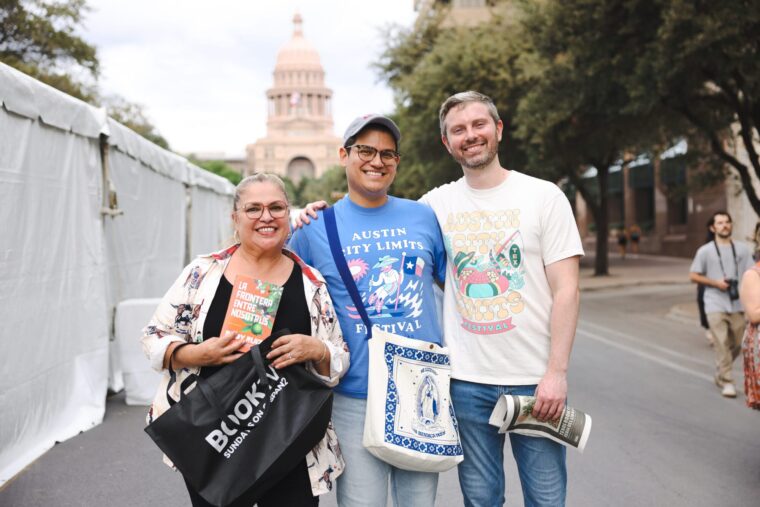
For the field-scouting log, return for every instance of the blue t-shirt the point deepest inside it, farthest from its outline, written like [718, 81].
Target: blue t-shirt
[393, 252]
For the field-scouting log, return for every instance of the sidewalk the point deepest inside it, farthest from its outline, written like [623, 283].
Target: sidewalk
[642, 269]
[635, 269]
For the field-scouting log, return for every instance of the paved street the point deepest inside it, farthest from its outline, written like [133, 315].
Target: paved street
[641, 367]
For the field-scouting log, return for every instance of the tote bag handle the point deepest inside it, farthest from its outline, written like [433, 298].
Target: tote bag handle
[208, 393]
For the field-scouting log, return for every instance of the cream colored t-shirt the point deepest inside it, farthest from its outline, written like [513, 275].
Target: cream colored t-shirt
[498, 302]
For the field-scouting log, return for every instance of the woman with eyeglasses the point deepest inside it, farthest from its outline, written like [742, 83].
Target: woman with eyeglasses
[185, 330]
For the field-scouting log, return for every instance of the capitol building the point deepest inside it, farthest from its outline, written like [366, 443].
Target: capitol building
[300, 141]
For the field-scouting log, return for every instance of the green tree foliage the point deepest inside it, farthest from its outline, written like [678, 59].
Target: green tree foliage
[218, 167]
[700, 60]
[622, 76]
[133, 116]
[552, 79]
[427, 64]
[575, 113]
[329, 187]
[39, 38]
[293, 190]
[584, 84]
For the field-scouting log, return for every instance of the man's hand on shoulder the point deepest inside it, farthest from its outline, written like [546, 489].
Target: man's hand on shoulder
[309, 212]
[551, 394]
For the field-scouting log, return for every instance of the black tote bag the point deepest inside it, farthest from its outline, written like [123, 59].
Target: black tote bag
[245, 427]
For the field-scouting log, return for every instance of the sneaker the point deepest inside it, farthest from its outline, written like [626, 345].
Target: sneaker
[729, 391]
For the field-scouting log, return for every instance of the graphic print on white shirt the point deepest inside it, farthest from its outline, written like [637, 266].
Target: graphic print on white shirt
[486, 250]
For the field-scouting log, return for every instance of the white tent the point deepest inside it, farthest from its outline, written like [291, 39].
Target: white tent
[70, 252]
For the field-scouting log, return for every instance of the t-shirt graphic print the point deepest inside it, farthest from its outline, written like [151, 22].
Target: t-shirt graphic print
[486, 250]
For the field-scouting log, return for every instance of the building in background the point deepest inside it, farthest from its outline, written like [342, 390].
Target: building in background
[300, 141]
[653, 193]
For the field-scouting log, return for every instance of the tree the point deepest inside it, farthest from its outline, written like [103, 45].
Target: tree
[576, 113]
[293, 190]
[700, 60]
[133, 116]
[39, 38]
[330, 187]
[642, 73]
[426, 65]
[561, 114]
[219, 168]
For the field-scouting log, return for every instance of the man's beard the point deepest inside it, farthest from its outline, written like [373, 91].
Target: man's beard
[479, 162]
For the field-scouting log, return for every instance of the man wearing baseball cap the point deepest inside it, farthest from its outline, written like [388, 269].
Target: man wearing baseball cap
[379, 233]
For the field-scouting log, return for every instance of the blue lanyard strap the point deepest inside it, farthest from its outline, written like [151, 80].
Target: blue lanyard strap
[345, 273]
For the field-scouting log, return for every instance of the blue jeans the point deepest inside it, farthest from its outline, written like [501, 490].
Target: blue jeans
[364, 482]
[540, 461]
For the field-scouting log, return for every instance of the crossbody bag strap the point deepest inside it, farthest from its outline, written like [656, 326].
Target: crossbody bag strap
[720, 259]
[340, 262]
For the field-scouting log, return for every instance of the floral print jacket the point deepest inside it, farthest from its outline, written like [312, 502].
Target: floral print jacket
[180, 317]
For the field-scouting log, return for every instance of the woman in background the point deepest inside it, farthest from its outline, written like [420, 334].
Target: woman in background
[749, 294]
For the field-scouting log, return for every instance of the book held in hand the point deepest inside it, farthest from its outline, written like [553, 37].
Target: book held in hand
[514, 413]
[252, 309]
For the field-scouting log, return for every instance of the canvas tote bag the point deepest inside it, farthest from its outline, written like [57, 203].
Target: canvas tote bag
[410, 422]
[244, 427]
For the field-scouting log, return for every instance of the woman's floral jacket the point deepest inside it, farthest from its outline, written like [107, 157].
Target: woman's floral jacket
[180, 317]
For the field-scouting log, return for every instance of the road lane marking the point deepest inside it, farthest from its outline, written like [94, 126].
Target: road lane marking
[646, 355]
[659, 348]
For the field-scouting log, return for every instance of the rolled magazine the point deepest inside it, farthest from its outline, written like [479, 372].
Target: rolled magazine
[513, 413]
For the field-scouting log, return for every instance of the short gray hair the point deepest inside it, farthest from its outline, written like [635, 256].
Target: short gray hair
[462, 98]
[259, 178]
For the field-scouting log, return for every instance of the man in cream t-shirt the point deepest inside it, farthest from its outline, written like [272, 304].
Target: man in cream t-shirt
[510, 304]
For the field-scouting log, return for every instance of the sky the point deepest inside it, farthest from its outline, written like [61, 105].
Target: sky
[201, 69]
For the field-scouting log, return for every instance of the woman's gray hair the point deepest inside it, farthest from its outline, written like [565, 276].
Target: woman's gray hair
[461, 98]
[259, 178]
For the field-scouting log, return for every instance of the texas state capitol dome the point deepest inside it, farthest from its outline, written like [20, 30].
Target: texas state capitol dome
[300, 141]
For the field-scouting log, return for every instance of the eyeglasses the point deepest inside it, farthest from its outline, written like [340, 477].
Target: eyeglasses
[254, 210]
[367, 154]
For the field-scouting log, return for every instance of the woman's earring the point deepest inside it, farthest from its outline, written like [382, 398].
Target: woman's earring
[236, 236]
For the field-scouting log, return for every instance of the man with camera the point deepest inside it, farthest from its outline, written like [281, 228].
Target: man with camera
[719, 266]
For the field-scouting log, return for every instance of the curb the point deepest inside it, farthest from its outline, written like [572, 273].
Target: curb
[636, 283]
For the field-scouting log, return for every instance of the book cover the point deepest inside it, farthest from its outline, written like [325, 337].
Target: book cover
[252, 309]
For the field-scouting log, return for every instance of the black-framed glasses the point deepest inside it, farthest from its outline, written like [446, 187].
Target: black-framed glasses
[367, 153]
[254, 210]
